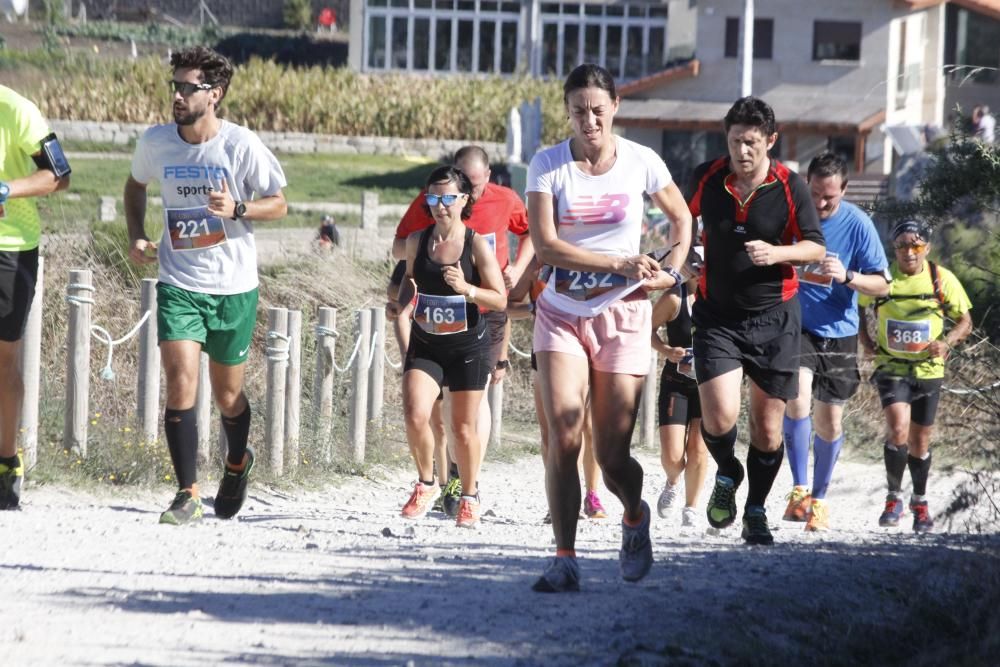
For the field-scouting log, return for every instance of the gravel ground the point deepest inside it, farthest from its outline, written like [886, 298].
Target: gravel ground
[336, 577]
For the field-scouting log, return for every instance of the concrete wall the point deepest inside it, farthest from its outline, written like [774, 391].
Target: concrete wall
[124, 134]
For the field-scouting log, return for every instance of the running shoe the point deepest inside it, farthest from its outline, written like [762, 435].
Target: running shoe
[10, 484]
[666, 500]
[548, 517]
[798, 504]
[420, 501]
[185, 509]
[922, 520]
[636, 555]
[592, 506]
[722, 505]
[232, 491]
[452, 494]
[689, 517]
[819, 516]
[562, 575]
[893, 512]
[755, 528]
[468, 513]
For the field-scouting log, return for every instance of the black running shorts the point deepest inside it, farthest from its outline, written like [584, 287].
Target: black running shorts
[678, 402]
[765, 344]
[922, 395]
[18, 275]
[834, 363]
[459, 361]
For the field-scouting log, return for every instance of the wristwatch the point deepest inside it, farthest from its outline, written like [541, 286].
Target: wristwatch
[848, 277]
[4, 192]
[503, 365]
[240, 210]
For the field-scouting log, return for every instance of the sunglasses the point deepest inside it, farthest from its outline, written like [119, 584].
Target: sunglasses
[447, 200]
[187, 89]
[915, 247]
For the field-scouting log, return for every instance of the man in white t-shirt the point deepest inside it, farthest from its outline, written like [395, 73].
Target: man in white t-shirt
[215, 178]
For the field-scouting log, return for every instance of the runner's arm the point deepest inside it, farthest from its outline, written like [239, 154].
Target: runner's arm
[963, 327]
[871, 284]
[525, 254]
[267, 209]
[42, 182]
[866, 342]
[490, 293]
[671, 202]
[135, 220]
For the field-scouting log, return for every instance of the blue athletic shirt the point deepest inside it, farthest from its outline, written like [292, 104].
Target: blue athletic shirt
[831, 311]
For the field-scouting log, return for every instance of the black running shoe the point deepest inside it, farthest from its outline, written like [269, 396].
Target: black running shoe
[10, 484]
[755, 528]
[451, 496]
[233, 489]
[184, 509]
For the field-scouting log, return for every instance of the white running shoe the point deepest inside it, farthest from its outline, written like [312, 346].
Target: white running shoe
[666, 500]
[689, 517]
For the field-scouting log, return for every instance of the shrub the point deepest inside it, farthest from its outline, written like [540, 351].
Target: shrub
[297, 14]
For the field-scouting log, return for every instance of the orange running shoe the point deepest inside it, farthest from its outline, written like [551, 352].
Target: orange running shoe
[798, 504]
[468, 513]
[819, 516]
[420, 501]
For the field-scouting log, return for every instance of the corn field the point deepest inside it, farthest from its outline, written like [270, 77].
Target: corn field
[268, 96]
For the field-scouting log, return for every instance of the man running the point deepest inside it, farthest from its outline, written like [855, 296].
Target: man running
[216, 178]
[746, 316]
[910, 351]
[828, 368]
[497, 211]
[32, 164]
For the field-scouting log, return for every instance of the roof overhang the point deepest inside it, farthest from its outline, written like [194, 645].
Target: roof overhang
[683, 71]
[989, 8]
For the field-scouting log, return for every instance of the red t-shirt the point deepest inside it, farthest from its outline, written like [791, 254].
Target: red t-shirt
[498, 211]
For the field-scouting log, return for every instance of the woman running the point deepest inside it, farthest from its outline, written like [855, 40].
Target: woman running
[454, 271]
[592, 322]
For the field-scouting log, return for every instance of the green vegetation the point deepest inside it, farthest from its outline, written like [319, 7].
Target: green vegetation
[162, 33]
[297, 14]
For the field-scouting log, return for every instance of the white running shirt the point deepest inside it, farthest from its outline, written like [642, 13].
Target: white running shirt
[602, 214]
[199, 252]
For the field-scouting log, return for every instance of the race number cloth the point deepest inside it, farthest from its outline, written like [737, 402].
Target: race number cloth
[200, 252]
[441, 315]
[602, 214]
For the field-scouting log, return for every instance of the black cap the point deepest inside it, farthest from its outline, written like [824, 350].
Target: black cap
[911, 227]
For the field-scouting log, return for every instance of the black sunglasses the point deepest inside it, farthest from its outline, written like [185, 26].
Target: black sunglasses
[187, 89]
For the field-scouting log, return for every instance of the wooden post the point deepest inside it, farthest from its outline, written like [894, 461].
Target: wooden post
[359, 397]
[31, 361]
[277, 372]
[293, 389]
[79, 294]
[203, 407]
[376, 375]
[148, 389]
[326, 345]
[494, 394]
[647, 408]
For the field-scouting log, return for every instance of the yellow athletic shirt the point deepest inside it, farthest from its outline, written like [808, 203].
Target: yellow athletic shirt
[22, 129]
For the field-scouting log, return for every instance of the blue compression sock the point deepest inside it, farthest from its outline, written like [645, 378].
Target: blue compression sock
[825, 455]
[797, 447]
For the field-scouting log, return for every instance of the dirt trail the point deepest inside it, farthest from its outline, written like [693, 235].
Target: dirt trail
[337, 578]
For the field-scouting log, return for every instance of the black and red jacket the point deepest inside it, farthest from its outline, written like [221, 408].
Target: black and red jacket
[780, 212]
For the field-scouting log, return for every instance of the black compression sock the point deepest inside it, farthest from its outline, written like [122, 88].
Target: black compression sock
[895, 464]
[237, 431]
[919, 469]
[723, 450]
[762, 468]
[181, 430]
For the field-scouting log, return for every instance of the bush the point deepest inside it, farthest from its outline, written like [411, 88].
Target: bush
[297, 14]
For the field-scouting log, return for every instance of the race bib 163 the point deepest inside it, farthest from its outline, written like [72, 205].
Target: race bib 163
[440, 314]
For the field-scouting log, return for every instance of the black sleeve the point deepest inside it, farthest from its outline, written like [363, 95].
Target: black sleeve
[809, 228]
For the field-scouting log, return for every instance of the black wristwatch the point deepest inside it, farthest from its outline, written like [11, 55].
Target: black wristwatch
[240, 210]
[848, 277]
[503, 365]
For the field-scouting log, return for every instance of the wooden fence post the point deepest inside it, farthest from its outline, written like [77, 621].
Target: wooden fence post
[148, 389]
[31, 361]
[293, 389]
[376, 375]
[359, 398]
[79, 295]
[326, 346]
[277, 372]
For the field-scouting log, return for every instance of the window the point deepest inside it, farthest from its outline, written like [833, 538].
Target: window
[836, 40]
[442, 51]
[508, 48]
[763, 38]
[487, 50]
[376, 42]
[421, 44]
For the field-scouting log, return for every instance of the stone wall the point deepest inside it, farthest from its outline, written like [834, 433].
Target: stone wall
[125, 134]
